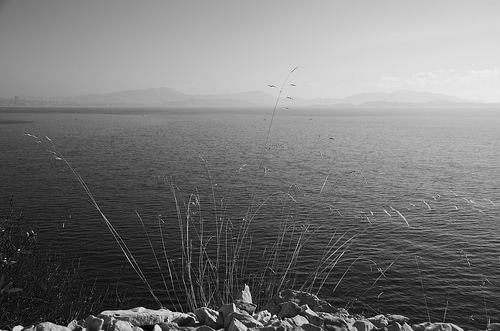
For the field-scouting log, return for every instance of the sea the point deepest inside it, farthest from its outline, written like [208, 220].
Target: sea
[409, 198]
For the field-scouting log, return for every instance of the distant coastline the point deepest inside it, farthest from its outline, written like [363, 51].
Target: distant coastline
[168, 98]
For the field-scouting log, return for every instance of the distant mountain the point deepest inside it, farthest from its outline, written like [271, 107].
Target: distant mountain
[400, 96]
[150, 96]
[165, 97]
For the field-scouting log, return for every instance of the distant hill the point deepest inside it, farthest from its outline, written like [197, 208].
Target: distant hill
[150, 96]
[166, 97]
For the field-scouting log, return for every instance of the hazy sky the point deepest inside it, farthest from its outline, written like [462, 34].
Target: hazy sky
[342, 47]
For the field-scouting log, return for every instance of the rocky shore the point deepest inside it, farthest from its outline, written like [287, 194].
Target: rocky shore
[290, 310]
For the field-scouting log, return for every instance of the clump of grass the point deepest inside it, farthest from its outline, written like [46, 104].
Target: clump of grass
[37, 283]
[217, 254]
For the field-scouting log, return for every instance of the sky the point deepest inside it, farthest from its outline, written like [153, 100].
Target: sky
[342, 47]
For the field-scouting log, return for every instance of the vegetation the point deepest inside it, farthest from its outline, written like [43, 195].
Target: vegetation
[37, 283]
[217, 255]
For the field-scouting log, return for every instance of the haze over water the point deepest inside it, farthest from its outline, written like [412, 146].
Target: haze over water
[422, 185]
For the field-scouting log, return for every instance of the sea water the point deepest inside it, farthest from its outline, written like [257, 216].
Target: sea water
[419, 188]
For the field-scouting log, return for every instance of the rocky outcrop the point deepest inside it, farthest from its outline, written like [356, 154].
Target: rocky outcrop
[290, 310]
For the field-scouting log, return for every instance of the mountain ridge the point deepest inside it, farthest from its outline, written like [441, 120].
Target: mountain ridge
[167, 97]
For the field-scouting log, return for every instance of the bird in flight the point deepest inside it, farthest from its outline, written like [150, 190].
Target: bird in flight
[289, 98]
[271, 85]
[293, 85]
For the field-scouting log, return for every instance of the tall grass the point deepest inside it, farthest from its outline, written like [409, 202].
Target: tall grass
[37, 283]
[218, 254]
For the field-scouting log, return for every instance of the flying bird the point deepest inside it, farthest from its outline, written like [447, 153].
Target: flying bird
[289, 98]
[271, 85]
[293, 85]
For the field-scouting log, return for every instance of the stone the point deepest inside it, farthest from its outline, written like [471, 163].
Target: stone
[48, 326]
[138, 316]
[246, 306]
[209, 317]
[75, 325]
[245, 295]
[379, 321]
[182, 319]
[237, 325]
[289, 309]
[397, 318]
[427, 326]
[224, 312]
[168, 326]
[246, 319]
[334, 323]
[311, 315]
[363, 325]
[489, 327]
[263, 316]
[93, 323]
[310, 327]
[204, 328]
[421, 326]
[18, 328]
[300, 298]
[297, 320]
[119, 325]
[394, 326]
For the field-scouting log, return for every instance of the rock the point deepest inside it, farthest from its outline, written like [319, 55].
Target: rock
[427, 326]
[281, 325]
[75, 325]
[263, 316]
[363, 325]
[48, 326]
[93, 323]
[379, 321]
[119, 325]
[245, 295]
[310, 327]
[289, 309]
[246, 306]
[300, 298]
[311, 315]
[397, 318]
[236, 325]
[168, 326]
[246, 319]
[138, 316]
[394, 326]
[333, 323]
[421, 326]
[297, 320]
[209, 317]
[18, 328]
[398, 327]
[224, 312]
[182, 319]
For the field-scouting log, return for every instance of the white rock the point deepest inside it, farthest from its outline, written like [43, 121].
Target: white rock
[121, 326]
[245, 295]
[48, 326]
[139, 316]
